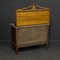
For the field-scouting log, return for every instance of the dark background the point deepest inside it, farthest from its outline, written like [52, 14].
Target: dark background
[7, 16]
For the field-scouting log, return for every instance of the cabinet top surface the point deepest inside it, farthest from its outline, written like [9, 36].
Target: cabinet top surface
[13, 25]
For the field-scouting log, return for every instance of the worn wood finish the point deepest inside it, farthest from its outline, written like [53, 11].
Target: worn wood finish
[31, 26]
[32, 16]
[24, 36]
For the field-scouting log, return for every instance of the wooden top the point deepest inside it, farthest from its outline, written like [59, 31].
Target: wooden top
[32, 7]
[13, 25]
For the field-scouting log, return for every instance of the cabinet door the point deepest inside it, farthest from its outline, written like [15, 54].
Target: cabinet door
[23, 35]
[39, 33]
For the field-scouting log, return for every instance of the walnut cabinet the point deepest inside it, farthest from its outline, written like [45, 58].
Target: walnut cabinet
[25, 36]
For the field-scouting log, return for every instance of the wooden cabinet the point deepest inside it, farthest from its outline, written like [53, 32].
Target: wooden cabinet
[31, 26]
[24, 36]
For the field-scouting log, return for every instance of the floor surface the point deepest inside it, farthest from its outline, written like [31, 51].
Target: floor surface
[32, 53]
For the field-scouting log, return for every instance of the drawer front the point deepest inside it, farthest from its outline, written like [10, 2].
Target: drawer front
[32, 34]
[34, 17]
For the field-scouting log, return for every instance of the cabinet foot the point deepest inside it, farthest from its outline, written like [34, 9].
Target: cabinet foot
[47, 46]
[17, 51]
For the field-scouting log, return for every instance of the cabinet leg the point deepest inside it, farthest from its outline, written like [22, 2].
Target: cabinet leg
[12, 46]
[47, 46]
[16, 50]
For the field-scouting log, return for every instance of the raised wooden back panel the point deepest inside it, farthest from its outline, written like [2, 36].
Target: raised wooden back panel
[32, 15]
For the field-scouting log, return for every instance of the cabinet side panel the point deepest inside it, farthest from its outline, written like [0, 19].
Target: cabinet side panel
[13, 35]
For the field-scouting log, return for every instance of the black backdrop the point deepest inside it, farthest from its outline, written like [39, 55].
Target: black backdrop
[7, 15]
